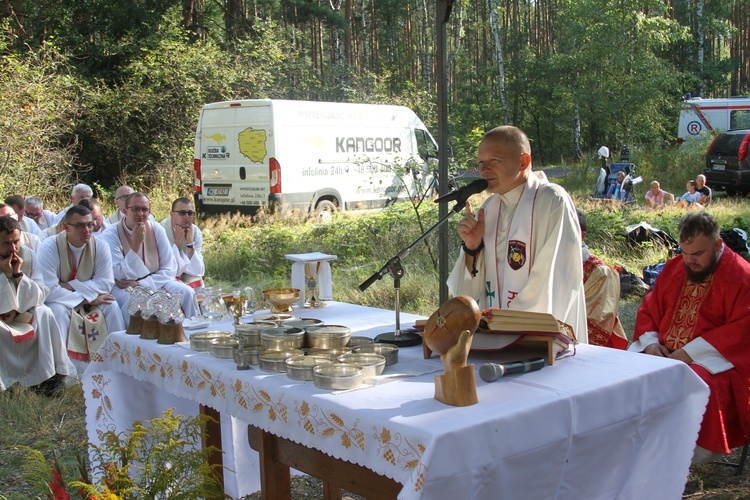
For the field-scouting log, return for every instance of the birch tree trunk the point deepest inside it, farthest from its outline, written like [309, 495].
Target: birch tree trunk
[365, 37]
[500, 66]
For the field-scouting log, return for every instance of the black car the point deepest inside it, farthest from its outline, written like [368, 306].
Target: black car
[727, 162]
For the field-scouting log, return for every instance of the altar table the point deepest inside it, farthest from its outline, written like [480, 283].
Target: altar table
[599, 423]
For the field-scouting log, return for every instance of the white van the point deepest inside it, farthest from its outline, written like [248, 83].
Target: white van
[308, 157]
[700, 118]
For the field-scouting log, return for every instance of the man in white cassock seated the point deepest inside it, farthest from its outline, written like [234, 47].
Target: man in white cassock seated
[142, 255]
[31, 348]
[187, 242]
[77, 269]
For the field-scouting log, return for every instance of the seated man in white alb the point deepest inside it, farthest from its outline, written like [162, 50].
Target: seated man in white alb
[31, 347]
[34, 210]
[77, 269]
[79, 192]
[121, 196]
[142, 255]
[28, 239]
[100, 223]
[27, 225]
[187, 242]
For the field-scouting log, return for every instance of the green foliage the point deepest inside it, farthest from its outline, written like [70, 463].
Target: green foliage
[39, 108]
[159, 458]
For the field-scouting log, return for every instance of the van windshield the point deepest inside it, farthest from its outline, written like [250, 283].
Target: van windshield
[425, 145]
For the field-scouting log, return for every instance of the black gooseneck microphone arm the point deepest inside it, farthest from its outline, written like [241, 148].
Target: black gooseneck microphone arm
[396, 270]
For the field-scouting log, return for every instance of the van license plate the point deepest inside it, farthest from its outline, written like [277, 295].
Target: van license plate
[224, 191]
[716, 166]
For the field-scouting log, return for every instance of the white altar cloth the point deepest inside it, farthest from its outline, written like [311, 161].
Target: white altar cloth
[601, 424]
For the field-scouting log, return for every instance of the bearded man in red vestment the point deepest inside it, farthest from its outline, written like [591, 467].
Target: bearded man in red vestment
[699, 312]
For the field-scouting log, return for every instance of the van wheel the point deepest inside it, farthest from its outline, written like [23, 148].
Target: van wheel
[324, 210]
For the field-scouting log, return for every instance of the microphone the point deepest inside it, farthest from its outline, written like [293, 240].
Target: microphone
[489, 372]
[464, 192]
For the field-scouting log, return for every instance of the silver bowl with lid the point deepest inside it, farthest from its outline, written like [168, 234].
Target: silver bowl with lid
[327, 336]
[201, 341]
[354, 341]
[389, 351]
[275, 361]
[282, 339]
[278, 318]
[331, 353]
[303, 323]
[223, 347]
[301, 367]
[372, 364]
[249, 333]
[337, 376]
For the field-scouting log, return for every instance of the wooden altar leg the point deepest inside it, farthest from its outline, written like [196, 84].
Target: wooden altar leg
[212, 437]
[277, 454]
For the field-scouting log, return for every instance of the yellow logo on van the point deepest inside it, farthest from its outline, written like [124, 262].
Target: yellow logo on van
[253, 144]
[218, 138]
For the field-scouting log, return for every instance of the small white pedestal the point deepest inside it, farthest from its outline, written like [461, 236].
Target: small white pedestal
[325, 283]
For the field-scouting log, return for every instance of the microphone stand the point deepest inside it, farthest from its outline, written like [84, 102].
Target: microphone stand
[395, 269]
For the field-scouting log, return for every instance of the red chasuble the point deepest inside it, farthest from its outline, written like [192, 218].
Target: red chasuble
[718, 311]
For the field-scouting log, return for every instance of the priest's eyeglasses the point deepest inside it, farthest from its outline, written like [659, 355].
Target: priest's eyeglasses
[183, 213]
[139, 209]
[81, 225]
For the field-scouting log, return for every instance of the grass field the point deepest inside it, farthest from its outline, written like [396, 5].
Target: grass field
[242, 252]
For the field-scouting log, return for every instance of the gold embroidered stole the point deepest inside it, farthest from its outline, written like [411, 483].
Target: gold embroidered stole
[19, 323]
[682, 327]
[150, 250]
[88, 328]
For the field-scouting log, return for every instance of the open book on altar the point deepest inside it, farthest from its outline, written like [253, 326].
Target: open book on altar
[500, 328]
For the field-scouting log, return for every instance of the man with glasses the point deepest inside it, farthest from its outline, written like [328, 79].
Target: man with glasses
[77, 269]
[121, 195]
[19, 206]
[31, 347]
[187, 242]
[100, 223]
[35, 211]
[142, 255]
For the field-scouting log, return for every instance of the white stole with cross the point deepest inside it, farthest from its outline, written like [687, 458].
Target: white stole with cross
[510, 265]
[88, 328]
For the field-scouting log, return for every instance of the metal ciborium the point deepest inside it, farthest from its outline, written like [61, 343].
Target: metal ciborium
[281, 299]
[170, 320]
[237, 305]
[138, 297]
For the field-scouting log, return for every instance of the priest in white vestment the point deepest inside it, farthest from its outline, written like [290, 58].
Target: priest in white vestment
[142, 255]
[187, 242]
[34, 210]
[31, 347]
[77, 269]
[523, 249]
[29, 240]
[79, 192]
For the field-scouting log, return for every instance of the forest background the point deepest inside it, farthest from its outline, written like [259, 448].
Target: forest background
[105, 92]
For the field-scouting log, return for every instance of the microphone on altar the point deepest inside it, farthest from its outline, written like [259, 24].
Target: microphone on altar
[462, 194]
[489, 372]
